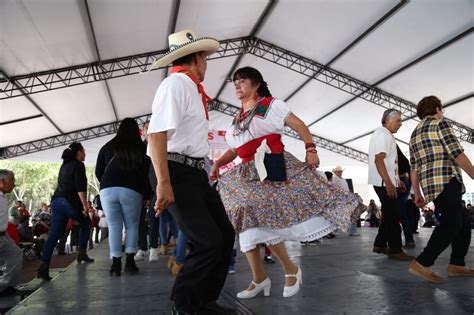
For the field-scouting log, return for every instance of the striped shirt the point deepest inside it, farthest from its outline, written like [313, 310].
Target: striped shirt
[433, 148]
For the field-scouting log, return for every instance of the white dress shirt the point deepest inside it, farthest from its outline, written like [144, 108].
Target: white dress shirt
[383, 141]
[178, 109]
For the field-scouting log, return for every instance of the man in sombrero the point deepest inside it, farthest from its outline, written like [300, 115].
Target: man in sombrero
[178, 143]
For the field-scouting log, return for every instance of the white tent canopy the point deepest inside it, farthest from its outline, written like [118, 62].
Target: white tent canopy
[51, 34]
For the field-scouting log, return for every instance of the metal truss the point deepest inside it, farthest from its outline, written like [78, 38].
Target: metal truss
[113, 68]
[111, 128]
[65, 139]
[327, 144]
[100, 70]
[343, 82]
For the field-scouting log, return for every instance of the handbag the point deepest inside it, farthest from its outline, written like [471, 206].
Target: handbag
[275, 167]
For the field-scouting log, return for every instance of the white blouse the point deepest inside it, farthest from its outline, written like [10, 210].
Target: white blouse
[263, 123]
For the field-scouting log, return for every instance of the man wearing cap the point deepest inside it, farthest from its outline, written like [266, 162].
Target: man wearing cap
[11, 255]
[383, 175]
[178, 143]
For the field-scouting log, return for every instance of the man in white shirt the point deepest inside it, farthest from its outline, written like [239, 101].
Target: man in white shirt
[11, 255]
[338, 180]
[178, 143]
[383, 175]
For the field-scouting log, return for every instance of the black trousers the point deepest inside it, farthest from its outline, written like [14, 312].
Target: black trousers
[413, 213]
[389, 228]
[454, 227]
[201, 216]
[143, 230]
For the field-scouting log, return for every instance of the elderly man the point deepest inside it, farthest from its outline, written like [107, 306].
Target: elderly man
[437, 158]
[341, 182]
[177, 145]
[383, 175]
[11, 256]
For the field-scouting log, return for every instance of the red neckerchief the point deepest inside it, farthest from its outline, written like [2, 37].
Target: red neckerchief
[205, 97]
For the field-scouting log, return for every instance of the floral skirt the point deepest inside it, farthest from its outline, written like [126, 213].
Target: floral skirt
[305, 207]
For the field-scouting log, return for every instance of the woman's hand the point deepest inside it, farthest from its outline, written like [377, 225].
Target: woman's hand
[214, 173]
[312, 158]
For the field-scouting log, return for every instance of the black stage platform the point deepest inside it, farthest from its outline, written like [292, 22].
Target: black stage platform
[340, 276]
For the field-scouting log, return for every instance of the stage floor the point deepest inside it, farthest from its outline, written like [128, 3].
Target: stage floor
[340, 276]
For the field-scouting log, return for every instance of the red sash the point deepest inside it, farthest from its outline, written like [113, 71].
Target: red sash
[247, 151]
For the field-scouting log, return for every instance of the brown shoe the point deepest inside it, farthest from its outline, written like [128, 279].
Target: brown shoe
[171, 261]
[380, 250]
[409, 245]
[459, 271]
[427, 273]
[176, 268]
[162, 250]
[401, 256]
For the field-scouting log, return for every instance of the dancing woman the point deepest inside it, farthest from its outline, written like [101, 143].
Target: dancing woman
[279, 198]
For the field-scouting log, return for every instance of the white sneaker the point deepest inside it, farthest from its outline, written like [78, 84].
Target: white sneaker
[153, 254]
[265, 285]
[140, 255]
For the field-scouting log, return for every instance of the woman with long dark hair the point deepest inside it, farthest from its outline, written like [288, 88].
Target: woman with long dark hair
[122, 170]
[68, 202]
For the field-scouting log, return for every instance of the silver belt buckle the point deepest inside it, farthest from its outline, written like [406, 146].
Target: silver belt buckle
[200, 165]
[188, 162]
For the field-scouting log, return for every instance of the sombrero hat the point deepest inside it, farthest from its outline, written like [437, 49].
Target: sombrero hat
[338, 169]
[184, 43]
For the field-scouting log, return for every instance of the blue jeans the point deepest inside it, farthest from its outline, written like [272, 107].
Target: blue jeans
[180, 249]
[61, 212]
[167, 220]
[122, 206]
[403, 196]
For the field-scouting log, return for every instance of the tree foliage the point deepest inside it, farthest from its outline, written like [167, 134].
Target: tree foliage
[36, 181]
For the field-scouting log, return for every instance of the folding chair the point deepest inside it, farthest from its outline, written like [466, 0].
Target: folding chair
[28, 250]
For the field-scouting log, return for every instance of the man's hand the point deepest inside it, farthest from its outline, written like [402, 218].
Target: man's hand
[402, 187]
[85, 210]
[164, 197]
[391, 190]
[419, 201]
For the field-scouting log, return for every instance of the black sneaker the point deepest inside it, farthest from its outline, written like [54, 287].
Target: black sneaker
[8, 292]
[268, 260]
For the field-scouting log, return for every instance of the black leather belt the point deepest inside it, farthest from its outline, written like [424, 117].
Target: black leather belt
[198, 163]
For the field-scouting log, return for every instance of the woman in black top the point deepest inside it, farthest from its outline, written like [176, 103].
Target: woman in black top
[68, 202]
[122, 170]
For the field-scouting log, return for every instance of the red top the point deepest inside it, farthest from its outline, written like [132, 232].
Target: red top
[247, 151]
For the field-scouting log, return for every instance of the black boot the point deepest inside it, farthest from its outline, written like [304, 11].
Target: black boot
[82, 256]
[43, 271]
[130, 265]
[116, 266]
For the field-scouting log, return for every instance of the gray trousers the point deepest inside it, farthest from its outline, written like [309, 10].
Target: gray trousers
[11, 258]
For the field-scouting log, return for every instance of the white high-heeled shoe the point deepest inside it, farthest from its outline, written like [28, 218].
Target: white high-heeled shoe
[265, 285]
[292, 290]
